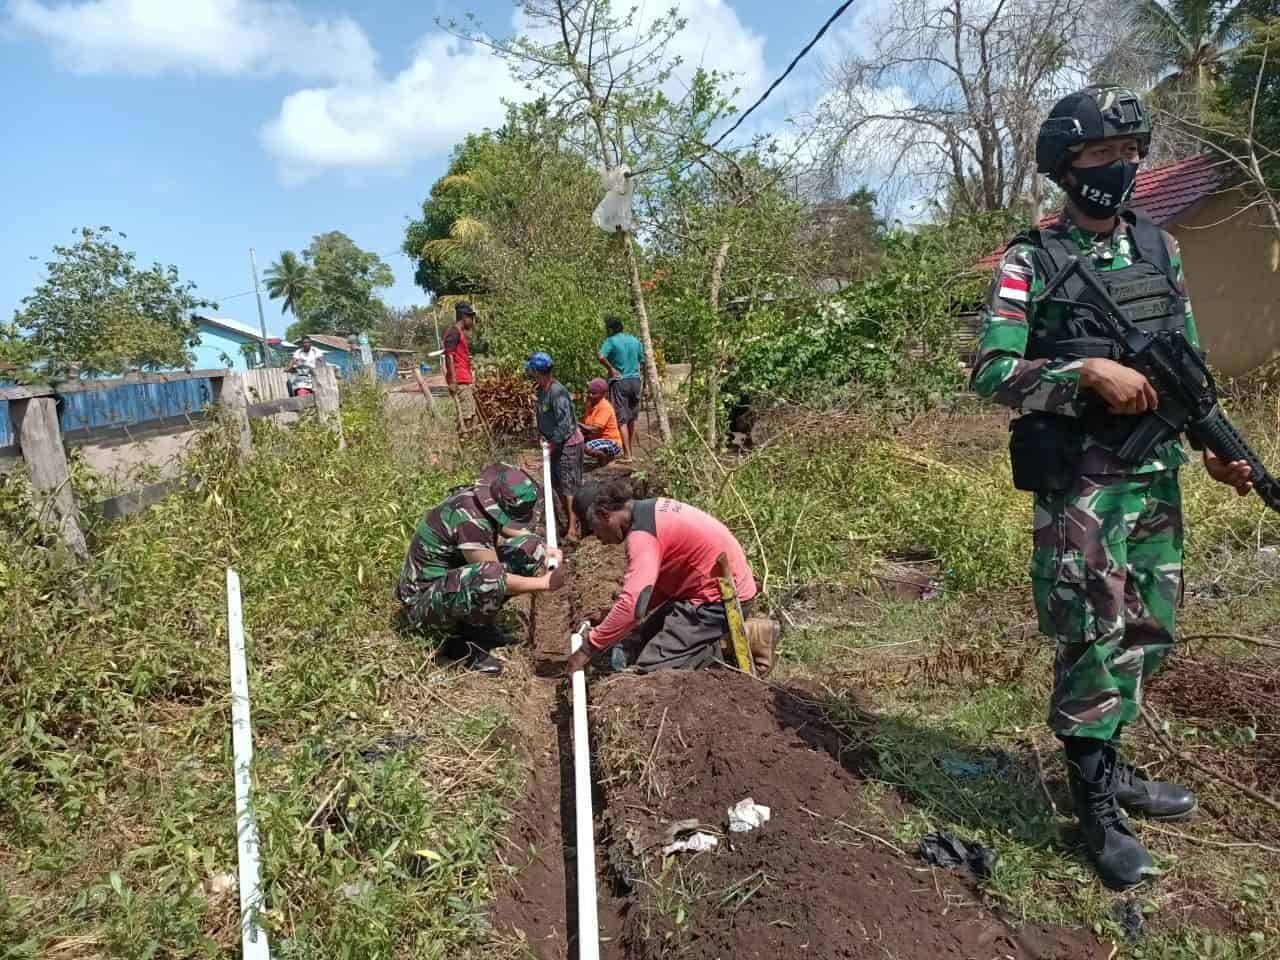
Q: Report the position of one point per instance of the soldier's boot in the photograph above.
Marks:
(1151, 798)
(461, 647)
(490, 636)
(1118, 856)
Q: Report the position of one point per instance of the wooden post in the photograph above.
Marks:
(326, 381)
(35, 424)
(229, 394)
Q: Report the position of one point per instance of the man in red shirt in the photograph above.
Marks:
(457, 366)
(672, 551)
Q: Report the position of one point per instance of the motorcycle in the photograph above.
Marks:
(302, 381)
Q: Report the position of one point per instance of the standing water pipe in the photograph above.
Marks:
(588, 920)
(253, 937)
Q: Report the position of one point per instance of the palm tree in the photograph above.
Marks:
(1180, 46)
(290, 280)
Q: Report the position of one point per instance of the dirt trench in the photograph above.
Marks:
(820, 880)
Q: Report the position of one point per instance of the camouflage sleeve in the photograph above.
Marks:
(1175, 257)
(471, 532)
(1001, 372)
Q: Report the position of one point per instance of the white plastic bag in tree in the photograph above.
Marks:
(614, 212)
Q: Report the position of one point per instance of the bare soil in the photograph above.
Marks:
(817, 881)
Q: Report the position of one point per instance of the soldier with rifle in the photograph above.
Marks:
(1088, 332)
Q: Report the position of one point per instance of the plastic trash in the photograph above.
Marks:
(944, 850)
(746, 815)
(613, 213)
(694, 843)
(1129, 915)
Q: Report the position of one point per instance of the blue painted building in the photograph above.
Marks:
(222, 342)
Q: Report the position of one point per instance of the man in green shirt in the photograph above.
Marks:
(622, 354)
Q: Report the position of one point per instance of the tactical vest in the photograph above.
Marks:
(1146, 292)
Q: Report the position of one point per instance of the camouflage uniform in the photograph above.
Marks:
(437, 585)
(1106, 562)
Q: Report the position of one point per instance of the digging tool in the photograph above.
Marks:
(733, 614)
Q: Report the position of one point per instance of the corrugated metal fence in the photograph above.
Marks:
(121, 406)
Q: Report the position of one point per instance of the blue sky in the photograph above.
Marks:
(201, 128)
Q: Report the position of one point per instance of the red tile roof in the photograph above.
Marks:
(1163, 193)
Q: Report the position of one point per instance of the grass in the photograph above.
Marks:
(382, 782)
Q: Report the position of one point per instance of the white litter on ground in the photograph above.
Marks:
(747, 815)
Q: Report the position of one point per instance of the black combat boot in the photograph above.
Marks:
(1150, 798)
(462, 647)
(1119, 857)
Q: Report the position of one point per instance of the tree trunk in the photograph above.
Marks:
(650, 364)
(713, 370)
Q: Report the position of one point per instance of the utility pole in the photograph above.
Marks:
(262, 323)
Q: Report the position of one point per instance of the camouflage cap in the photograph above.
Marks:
(506, 493)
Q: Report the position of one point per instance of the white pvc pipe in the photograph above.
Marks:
(588, 921)
(253, 937)
(549, 498)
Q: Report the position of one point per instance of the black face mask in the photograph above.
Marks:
(1102, 191)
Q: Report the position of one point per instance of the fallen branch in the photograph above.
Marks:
(1157, 729)
(1239, 637)
(1040, 775)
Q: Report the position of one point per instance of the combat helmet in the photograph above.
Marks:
(506, 493)
(1094, 113)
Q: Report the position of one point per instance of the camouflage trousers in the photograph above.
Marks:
(474, 593)
(1106, 570)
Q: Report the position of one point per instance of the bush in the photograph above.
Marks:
(117, 788)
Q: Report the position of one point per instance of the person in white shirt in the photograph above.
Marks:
(307, 355)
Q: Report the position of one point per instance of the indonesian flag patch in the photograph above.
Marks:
(1015, 283)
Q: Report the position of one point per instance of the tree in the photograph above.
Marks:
(97, 310)
(951, 96)
(289, 279)
(604, 75)
(407, 328)
(509, 198)
(342, 296)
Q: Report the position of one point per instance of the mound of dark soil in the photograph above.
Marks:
(813, 882)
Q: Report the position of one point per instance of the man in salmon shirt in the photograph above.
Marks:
(672, 550)
(600, 425)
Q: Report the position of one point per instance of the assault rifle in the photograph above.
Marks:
(1188, 395)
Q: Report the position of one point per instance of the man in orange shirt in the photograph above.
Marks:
(600, 425)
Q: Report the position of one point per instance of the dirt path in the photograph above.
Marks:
(820, 880)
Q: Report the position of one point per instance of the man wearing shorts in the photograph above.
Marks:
(558, 425)
(622, 354)
(457, 366)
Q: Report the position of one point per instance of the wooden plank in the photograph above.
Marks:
(228, 393)
(327, 398)
(287, 405)
(173, 376)
(25, 393)
(113, 508)
(263, 384)
(92, 386)
(35, 422)
(148, 430)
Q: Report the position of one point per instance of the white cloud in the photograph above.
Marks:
(220, 37)
(716, 39)
(452, 88)
(449, 89)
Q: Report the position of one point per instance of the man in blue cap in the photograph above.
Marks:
(558, 425)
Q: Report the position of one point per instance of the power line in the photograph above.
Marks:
(791, 66)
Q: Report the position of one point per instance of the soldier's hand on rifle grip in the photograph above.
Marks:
(1235, 474)
(1123, 389)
